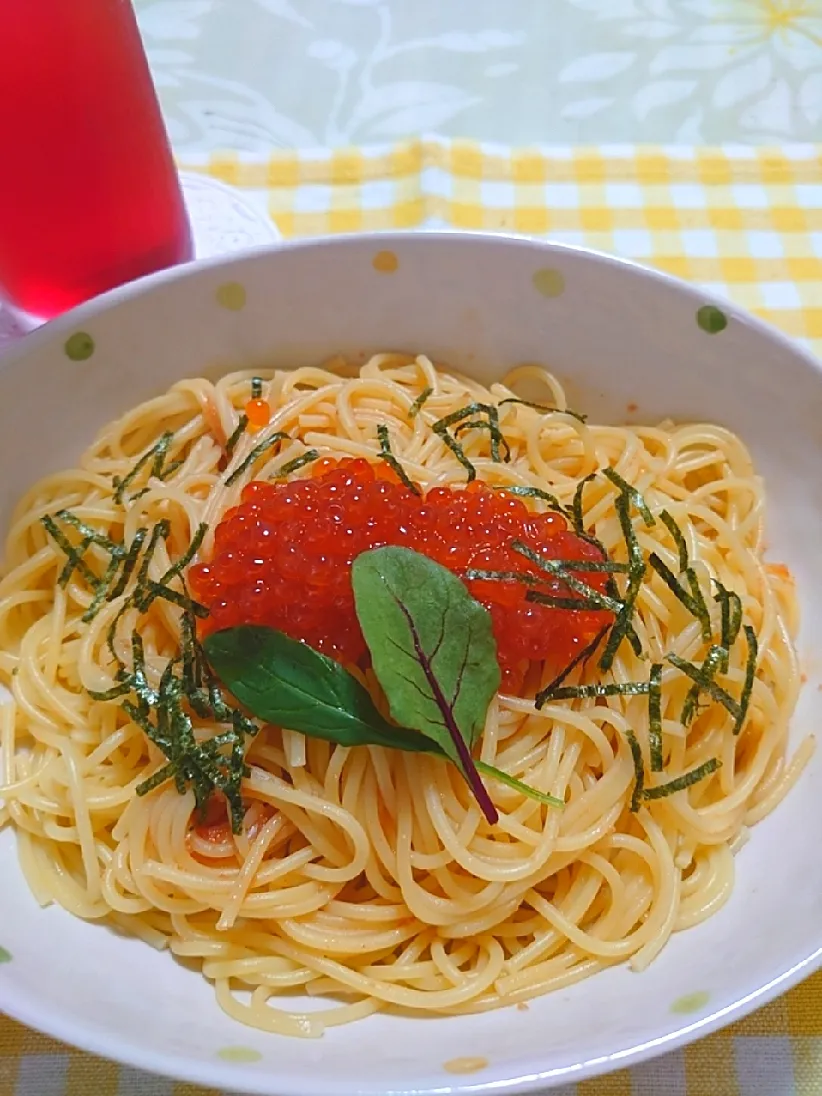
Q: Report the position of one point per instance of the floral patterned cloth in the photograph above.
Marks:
(252, 74)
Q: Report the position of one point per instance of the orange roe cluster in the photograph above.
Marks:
(258, 413)
(283, 556)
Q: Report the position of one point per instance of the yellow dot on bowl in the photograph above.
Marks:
(385, 262)
(5, 956)
(239, 1054)
(465, 1065)
(79, 347)
(232, 295)
(691, 1002)
(549, 282)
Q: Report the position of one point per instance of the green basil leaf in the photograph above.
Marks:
(432, 649)
(287, 683)
(282, 681)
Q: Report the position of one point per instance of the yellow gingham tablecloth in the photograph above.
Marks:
(743, 222)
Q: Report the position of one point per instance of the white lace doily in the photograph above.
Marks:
(222, 220)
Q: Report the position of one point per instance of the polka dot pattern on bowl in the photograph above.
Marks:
(232, 296)
(79, 347)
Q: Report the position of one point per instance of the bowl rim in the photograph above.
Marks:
(125, 1049)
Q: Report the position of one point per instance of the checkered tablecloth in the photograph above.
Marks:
(744, 222)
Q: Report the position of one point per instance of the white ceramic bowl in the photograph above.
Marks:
(618, 335)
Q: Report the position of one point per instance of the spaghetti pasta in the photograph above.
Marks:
(367, 877)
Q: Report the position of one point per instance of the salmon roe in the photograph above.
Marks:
(283, 557)
(258, 413)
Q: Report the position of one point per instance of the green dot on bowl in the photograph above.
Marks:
(711, 319)
(549, 282)
(79, 347)
(232, 295)
(239, 1054)
(5, 956)
(691, 1002)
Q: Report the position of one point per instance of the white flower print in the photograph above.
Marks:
(757, 62)
(372, 72)
(171, 21)
(256, 74)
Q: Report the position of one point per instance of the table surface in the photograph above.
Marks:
(252, 74)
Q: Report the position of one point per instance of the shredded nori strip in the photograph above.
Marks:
(111, 694)
(730, 607)
(556, 601)
(636, 498)
(534, 493)
(460, 414)
(545, 694)
(679, 539)
(187, 556)
(102, 588)
(386, 455)
(238, 432)
(595, 691)
(76, 562)
(497, 438)
(160, 532)
(702, 613)
(258, 450)
(706, 684)
(420, 402)
(201, 766)
(256, 388)
(111, 632)
(679, 783)
(623, 626)
(154, 590)
(169, 469)
(157, 454)
(612, 590)
(655, 717)
(192, 660)
(564, 566)
(576, 511)
(129, 563)
(716, 659)
(474, 574)
(750, 675)
(498, 442)
(556, 568)
(694, 601)
(140, 684)
(639, 770)
(670, 580)
(458, 452)
(92, 535)
(74, 555)
(216, 765)
(298, 462)
(544, 408)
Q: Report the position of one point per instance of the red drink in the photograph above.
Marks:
(89, 195)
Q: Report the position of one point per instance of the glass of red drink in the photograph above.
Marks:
(89, 194)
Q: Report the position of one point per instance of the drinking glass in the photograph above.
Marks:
(89, 194)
